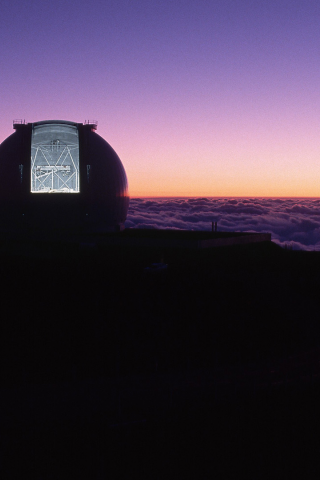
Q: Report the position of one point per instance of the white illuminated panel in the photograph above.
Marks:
(55, 158)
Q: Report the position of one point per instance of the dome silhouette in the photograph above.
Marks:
(57, 174)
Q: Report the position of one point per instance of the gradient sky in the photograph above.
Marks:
(198, 98)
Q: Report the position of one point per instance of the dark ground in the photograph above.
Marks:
(207, 369)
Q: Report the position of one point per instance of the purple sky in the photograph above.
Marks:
(198, 98)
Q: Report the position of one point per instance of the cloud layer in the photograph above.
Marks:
(291, 221)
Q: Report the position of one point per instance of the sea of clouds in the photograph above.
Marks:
(294, 222)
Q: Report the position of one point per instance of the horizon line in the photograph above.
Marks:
(220, 196)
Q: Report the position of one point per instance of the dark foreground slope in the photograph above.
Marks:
(208, 367)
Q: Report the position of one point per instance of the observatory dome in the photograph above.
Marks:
(57, 174)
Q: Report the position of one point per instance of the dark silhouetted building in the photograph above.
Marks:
(58, 174)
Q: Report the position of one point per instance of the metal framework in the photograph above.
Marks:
(54, 163)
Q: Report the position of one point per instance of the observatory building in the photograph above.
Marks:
(61, 175)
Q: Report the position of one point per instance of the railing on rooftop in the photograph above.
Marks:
(92, 123)
(18, 121)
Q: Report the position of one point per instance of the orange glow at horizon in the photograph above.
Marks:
(223, 179)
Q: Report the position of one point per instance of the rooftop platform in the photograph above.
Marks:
(43, 243)
(185, 238)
